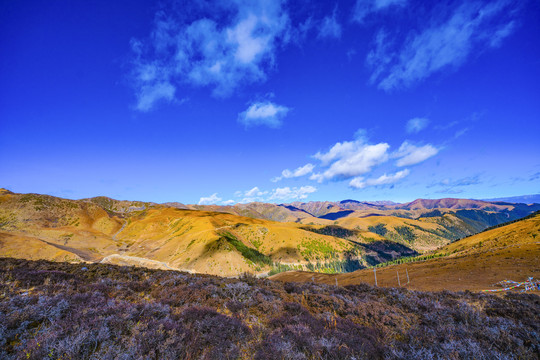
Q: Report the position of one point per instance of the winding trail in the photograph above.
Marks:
(132, 260)
(119, 231)
(141, 260)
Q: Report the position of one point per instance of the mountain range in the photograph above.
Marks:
(259, 238)
(477, 262)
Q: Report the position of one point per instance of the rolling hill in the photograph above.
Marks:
(230, 240)
(509, 252)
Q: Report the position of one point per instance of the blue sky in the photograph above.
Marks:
(237, 101)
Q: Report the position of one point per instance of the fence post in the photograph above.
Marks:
(399, 283)
(407, 276)
(336, 282)
(375, 274)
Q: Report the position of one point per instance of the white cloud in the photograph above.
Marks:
(286, 193)
(229, 202)
(360, 183)
(280, 194)
(263, 113)
(298, 172)
(338, 150)
(363, 8)
(472, 27)
(350, 158)
(410, 154)
(223, 47)
(149, 95)
(330, 27)
(210, 200)
(254, 192)
(416, 124)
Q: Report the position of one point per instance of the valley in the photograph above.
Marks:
(476, 263)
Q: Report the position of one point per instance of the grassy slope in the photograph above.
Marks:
(130, 232)
(40, 226)
(475, 263)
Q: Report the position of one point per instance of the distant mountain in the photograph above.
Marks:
(447, 203)
(525, 199)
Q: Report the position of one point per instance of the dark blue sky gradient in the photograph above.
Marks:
(69, 123)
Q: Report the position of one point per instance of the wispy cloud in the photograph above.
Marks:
(363, 8)
(445, 43)
(452, 183)
(231, 44)
(277, 194)
(263, 113)
(298, 172)
(150, 94)
(535, 176)
(330, 27)
(410, 154)
(360, 183)
(254, 194)
(450, 191)
(416, 124)
(295, 193)
(209, 200)
(451, 186)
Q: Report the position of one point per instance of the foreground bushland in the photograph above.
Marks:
(93, 311)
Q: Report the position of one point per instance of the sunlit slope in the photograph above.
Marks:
(474, 263)
(40, 226)
(32, 248)
(422, 234)
(220, 243)
(175, 236)
(82, 228)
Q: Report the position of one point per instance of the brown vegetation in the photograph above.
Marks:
(97, 311)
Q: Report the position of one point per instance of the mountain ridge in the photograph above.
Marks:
(228, 240)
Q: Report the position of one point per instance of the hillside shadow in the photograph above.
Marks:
(336, 215)
(295, 209)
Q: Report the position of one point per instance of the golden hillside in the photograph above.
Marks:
(104, 230)
(199, 239)
(475, 263)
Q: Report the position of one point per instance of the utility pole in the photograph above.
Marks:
(399, 283)
(375, 274)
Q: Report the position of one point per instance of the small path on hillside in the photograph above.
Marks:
(83, 254)
(119, 231)
(138, 260)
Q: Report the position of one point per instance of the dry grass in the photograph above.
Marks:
(474, 263)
